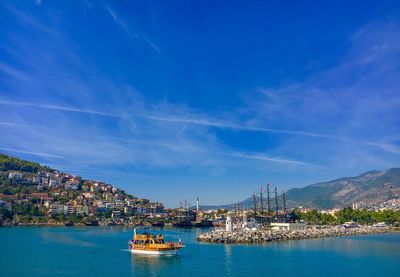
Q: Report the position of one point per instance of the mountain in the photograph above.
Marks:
(368, 190)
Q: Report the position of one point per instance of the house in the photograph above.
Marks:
(5, 205)
(45, 181)
(83, 210)
(56, 209)
(110, 205)
(17, 176)
(116, 214)
(69, 209)
(54, 183)
(72, 185)
(40, 195)
(36, 179)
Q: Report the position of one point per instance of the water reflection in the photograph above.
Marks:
(153, 265)
(371, 245)
(228, 259)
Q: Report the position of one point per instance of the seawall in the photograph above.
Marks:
(261, 236)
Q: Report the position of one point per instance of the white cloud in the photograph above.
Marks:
(31, 153)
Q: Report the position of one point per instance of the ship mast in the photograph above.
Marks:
(268, 203)
(254, 203)
(276, 200)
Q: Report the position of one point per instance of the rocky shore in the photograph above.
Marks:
(261, 236)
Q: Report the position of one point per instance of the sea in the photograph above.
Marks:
(102, 251)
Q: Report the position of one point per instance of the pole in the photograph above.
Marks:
(235, 207)
(254, 203)
(276, 200)
(268, 203)
(284, 202)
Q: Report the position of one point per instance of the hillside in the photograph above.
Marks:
(32, 193)
(368, 189)
(11, 163)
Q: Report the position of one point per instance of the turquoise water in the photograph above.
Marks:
(97, 251)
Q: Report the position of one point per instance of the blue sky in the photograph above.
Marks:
(171, 100)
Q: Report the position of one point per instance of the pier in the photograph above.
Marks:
(262, 236)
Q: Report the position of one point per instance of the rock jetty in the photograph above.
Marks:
(261, 236)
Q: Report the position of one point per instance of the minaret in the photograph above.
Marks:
(197, 204)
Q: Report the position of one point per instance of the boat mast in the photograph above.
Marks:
(284, 202)
(268, 203)
(254, 203)
(276, 200)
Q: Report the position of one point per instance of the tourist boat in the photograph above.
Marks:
(150, 244)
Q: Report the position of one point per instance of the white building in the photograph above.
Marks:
(228, 224)
(16, 176)
(36, 179)
(278, 226)
(53, 182)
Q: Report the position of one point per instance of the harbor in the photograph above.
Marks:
(101, 251)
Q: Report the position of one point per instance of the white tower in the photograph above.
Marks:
(197, 204)
(228, 224)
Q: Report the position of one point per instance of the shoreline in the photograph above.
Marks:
(99, 225)
(264, 236)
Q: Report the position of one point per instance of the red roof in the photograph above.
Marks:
(5, 196)
(40, 195)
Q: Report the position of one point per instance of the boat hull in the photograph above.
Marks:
(172, 252)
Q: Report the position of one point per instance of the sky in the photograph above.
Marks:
(170, 100)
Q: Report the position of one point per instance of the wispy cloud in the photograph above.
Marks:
(56, 107)
(31, 22)
(125, 27)
(31, 153)
(386, 147)
(265, 158)
(194, 119)
(120, 22)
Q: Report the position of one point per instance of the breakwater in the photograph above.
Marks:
(260, 236)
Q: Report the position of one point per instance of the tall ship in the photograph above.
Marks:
(153, 244)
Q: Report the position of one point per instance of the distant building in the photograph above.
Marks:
(36, 179)
(116, 214)
(56, 209)
(277, 226)
(16, 176)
